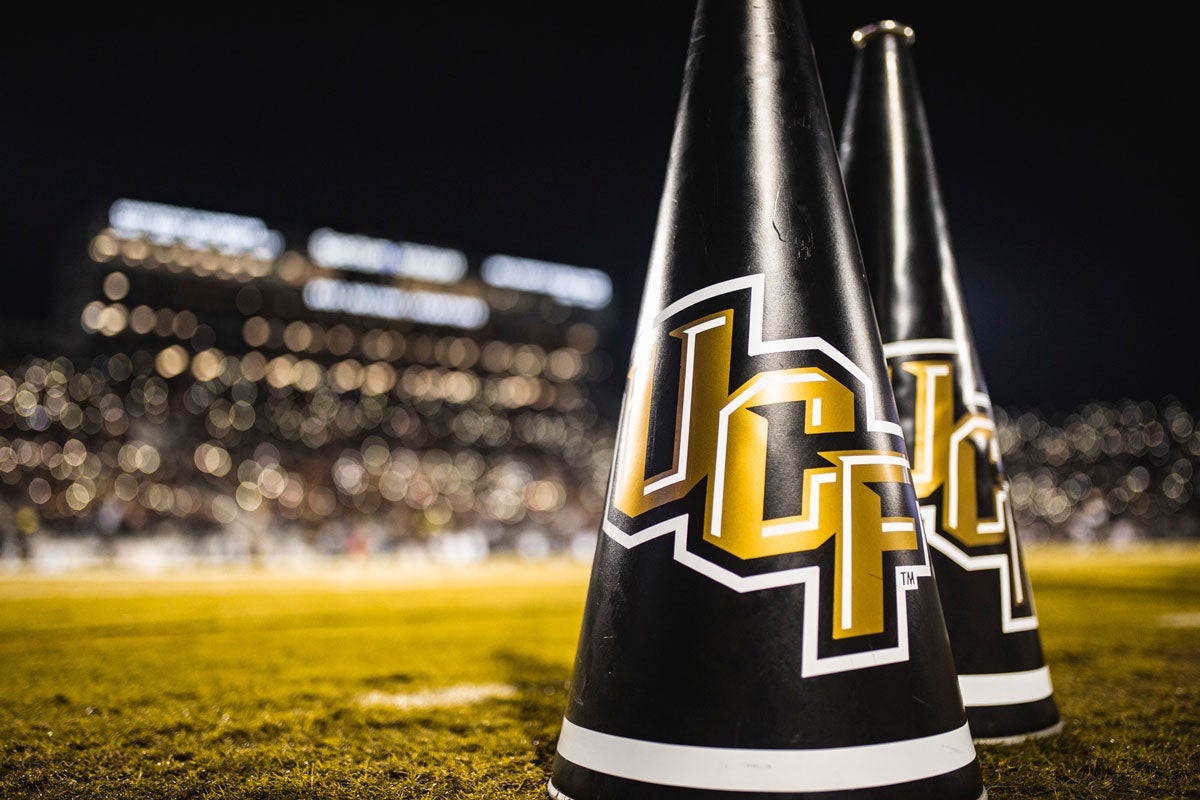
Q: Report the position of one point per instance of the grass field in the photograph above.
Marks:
(342, 685)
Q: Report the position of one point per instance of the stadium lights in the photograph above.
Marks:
(164, 224)
(382, 257)
(389, 302)
(572, 286)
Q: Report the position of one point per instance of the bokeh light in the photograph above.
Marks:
(209, 399)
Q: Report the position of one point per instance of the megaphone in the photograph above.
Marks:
(762, 621)
(887, 160)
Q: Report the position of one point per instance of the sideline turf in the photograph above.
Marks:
(249, 685)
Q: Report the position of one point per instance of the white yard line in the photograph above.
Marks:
(465, 694)
(1184, 619)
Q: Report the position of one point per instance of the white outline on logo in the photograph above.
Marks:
(756, 346)
(811, 662)
(685, 424)
(1003, 563)
(925, 473)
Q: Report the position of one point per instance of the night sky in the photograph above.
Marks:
(543, 130)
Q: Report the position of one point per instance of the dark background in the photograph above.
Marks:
(543, 130)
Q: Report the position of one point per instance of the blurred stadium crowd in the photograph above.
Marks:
(1115, 472)
(248, 458)
(226, 400)
(219, 409)
(130, 459)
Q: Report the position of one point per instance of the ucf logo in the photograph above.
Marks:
(944, 456)
(970, 521)
(721, 437)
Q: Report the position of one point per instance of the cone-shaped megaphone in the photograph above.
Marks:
(943, 403)
(761, 621)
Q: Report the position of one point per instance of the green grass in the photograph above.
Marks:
(249, 686)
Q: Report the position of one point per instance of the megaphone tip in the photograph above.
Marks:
(888, 26)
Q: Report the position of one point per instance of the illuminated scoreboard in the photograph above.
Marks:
(184, 282)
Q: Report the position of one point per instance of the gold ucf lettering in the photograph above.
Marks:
(944, 455)
(718, 436)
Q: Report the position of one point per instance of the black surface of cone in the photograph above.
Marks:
(887, 160)
(685, 642)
